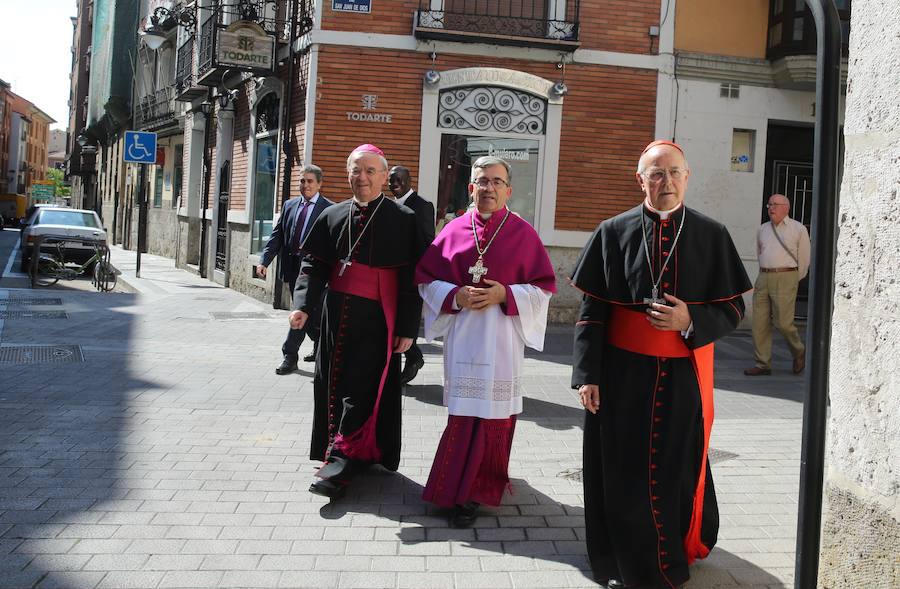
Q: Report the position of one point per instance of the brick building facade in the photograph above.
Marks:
(568, 91)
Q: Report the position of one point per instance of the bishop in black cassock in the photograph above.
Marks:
(364, 250)
(660, 283)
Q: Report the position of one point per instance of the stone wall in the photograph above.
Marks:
(862, 498)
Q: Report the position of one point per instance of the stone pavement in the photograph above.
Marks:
(161, 450)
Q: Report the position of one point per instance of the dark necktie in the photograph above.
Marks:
(298, 226)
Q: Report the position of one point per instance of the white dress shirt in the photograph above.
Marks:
(795, 237)
(402, 199)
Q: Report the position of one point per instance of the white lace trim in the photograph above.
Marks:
(488, 389)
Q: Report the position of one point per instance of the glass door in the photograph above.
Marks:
(458, 152)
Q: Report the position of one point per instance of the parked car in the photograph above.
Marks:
(76, 223)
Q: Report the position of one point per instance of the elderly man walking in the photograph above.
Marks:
(661, 283)
(782, 246)
(364, 250)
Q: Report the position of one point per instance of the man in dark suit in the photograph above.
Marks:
(297, 218)
(399, 183)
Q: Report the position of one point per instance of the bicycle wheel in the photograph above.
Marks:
(105, 276)
(47, 273)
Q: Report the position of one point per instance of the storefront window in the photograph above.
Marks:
(458, 152)
(265, 168)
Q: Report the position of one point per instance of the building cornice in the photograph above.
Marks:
(410, 43)
(793, 72)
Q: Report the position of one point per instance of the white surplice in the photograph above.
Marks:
(484, 349)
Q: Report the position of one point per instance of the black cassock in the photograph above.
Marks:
(352, 352)
(644, 448)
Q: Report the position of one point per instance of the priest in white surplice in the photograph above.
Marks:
(486, 282)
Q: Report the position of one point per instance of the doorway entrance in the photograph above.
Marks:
(789, 171)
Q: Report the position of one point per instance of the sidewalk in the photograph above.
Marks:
(169, 454)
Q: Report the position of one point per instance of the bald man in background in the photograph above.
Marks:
(782, 246)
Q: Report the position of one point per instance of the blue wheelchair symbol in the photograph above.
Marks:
(140, 147)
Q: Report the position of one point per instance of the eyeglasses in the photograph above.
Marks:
(498, 183)
(658, 174)
(304, 181)
(776, 204)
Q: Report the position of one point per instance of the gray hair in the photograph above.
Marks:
(358, 154)
(487, 161)
(314, 170)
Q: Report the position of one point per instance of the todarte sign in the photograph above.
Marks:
(245, 45)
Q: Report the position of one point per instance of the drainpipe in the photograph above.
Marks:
(824, 237)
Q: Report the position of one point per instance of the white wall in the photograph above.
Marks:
(862, 493)
(704, 128)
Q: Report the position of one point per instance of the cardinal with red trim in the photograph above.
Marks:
(660, 282)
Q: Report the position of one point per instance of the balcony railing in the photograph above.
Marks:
(552, 23)
(275, 19)
(156, 110)
(186, 87)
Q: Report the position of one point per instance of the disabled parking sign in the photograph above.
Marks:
(140, 147)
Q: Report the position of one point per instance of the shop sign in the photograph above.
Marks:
(364, 6)
(245, 45)
(509, 154)
(369, 103)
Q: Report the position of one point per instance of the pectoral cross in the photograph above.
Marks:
(477, 271)
(654, 298)
(344, 263)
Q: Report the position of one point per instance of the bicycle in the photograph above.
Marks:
(49, 268)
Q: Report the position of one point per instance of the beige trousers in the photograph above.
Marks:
(773, 304)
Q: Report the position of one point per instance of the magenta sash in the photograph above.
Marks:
(377, 284)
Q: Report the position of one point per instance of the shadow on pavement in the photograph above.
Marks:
(543, 413)
(62, 435)
(724, 569)
(528, 524)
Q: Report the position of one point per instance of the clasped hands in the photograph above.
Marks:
(298, 319)
(472, 297)
(672, 317)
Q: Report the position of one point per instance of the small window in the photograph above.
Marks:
(743, 142)
(158, 187)
(729, 90)
(798, 29)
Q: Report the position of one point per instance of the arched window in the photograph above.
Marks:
(266, 162)
(475, 121)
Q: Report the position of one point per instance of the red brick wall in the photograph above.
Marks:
(620, 25)
(608, 117)
(241, 149)
(610, 25)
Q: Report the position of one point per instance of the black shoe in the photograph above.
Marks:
(327, 488)
(287, 366)
(615, 584)
(411, 370)
(464, 515)
(311, 357)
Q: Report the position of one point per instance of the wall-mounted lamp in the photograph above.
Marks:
(161, 22)
(205, 108)
(226, 96)
(559, 89)
(432, 76)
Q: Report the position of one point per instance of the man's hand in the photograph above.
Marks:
(672, 317)
(590, 397)
(297, 319)
(401, 344)
(481, 298)
(261, 270)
